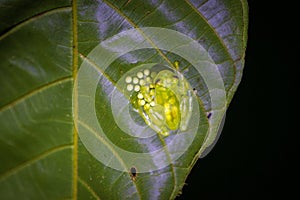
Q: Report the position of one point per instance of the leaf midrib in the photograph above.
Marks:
(74, 99)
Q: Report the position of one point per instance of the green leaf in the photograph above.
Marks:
(44, 48)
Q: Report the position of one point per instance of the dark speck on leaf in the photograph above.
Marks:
(133, 173)
(209, 115)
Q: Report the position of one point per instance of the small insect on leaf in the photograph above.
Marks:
(133, 173)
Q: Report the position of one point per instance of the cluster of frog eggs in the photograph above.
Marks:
(142, 83)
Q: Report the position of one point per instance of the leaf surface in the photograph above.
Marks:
(42, 46)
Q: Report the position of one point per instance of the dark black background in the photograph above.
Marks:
(253, 158)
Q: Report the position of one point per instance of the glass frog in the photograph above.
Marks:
(163, 99)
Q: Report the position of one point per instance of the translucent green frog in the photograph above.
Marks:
(163, 99)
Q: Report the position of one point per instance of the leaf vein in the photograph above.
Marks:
(116, 155)
(27, 163)
(219, 38)
(167, 60)
(32, 18)
(86, 185)
(33, 92)
(138, 29)
(211, 27)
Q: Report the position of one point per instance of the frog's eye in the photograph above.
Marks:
(162, 98)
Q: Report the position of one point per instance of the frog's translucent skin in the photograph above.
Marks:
(164, 100)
